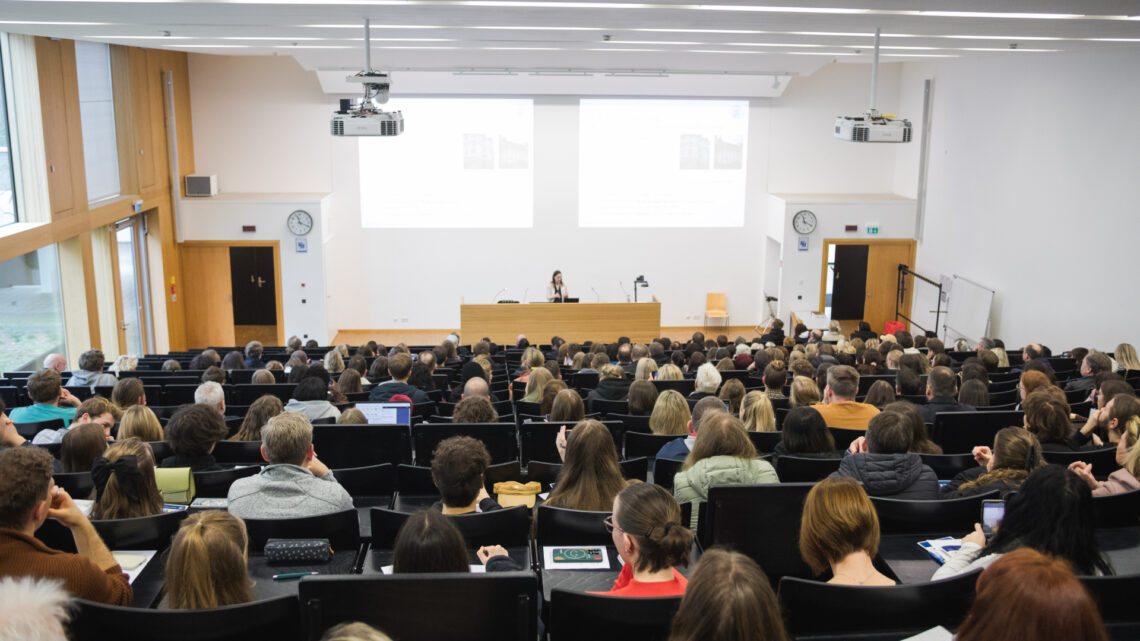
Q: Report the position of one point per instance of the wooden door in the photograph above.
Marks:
(254, 287)
(883, 260)
(207, 296)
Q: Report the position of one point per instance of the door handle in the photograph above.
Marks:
(260, 281)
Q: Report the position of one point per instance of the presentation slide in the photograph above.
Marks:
(662, 163)
(460, 163)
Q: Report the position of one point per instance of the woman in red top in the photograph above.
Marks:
(648, 534)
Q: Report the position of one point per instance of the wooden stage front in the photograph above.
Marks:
(502, 323)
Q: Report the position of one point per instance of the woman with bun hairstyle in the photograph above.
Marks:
(648, 534)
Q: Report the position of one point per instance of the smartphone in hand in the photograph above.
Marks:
(992, 513)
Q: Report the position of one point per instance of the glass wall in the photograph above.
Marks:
(97, 118)
(31, 310)
(7, 182)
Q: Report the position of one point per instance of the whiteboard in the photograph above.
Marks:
(968, 315)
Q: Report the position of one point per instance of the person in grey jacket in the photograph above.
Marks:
(90, 372)
(882, 463)
(295, 484)
(311, 398)
(723, 455)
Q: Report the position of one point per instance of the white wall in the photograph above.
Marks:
(800, 272)
(303, 288)
(261, 123)
(1033, 191)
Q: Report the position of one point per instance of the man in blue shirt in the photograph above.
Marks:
(51, 400)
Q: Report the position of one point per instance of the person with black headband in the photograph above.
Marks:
(648, 534)
(124, 482)
(556, 290)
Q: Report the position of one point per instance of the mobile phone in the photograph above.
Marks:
(992, 513)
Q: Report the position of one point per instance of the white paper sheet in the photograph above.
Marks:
(133, 562)
(475, 569)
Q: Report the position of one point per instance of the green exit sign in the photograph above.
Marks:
(872, 230)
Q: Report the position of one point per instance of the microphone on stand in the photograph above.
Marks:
(596, 295)
(496, 296)
(623, 291)
(524, 294)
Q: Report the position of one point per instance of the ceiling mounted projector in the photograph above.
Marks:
(872, 126)
(365, 117)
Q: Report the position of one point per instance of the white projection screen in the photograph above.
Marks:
(460, 163)
(662, 163)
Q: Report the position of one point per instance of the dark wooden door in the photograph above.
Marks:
(849, 282)
(254, 286)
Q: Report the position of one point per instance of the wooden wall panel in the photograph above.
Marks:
(53, 101)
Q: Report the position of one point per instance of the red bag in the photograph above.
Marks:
(893, 326)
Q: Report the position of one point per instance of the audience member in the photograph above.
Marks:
(349, 382)
(590, 477)
(258, 414)
(678, 449)
(400, 367)
(612, 385)
(429, 542)
(839, 408)
(728, 598)
(81, 445)
(352, 416)
(295, 484)
(671, 414)
(140, 422)
(94, 410)
(670, 372)
(648, 534)
(263, 377)
(233, 361)
(805, 434)
(210, 394)
(128, 392)
(732, 393)
(921, 443)
(883, 463)
(642, 398)
(125, 486)
(1047, 417)
(50, 400)
(707, 382)
(1125, 356)
(253, 351)
(90, 372)
(941, 393)
(908, 382)
(28, 497)
(1015, 455)
(645, 370)
(723, 455)
(775, 333)
(192, 433)
(474, 409)
(973, 393)
(839, 531)
(206, 565)
(171, 365)
(1028, 595)
(1053, 514)
(457, 468)
(354, 631)
(311, 398)
(124, 363)
(214, 374)
(1093, 364)
(1123, 416)
(804, 392)
(58, 362)
(567, 407)
(880, 395)
(204, 360)
(756, 412)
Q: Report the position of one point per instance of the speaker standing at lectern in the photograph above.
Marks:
(556, 289)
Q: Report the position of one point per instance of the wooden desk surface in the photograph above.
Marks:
(576, 322)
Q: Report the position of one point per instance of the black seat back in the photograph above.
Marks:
(1103, 459)
(947, 466)
(457, 607)
(30, 429)
(276, 618)
(243, 452)
(217, 484)
(78, 484)
(580, 616)
(817, 608)
(501, 439)
(664, 470)
(141, 533)
(1117, 510)
(959, 432)
(342, 529)
(507, 527)
(765, 442)
(761, 521)
(562, 526)
(935, 518)
(804, 469)
(341, 446)
(371, 485)
(843, 436)
(645, 444)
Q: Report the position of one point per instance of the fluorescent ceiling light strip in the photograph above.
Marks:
(651, 42)
(998, 14)
(722, 51)
(524, 49)
(312, 47)
(412, 47)
(919, 55)
(182, 46)
(57, 23)
(521, 28)
(1008, 49)
(555, 5)
(763, 9)
(375, 26)
(99, 37)
(624, 50)
(772, 44)
(817, 53)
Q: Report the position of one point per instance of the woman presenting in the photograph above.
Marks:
(556, 290)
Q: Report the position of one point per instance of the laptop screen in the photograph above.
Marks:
(386, 413)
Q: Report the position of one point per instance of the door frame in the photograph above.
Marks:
(137, 223)
(911, 243)
(278, 285)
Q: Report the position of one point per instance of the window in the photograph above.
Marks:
(31, 310)
(460, 163)
(7, 176)
(97, 118)
(662, 163)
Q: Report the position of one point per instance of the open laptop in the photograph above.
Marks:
(386, 413)
(565, 300)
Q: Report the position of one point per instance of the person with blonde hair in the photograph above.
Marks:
(125, 486)
(839, 530)
(671, 414)
(264, 376)
(352, 416)
(140, 422)
(533, 359)
(646, 369)
(349, 382)
(722, 455)
(536, 384)
(756, 412)
(354, 631)
(206, 566)
(612, 385)
(334, 362)
(258, 414)
(804, 392)
(670, 372)
(1125, 356)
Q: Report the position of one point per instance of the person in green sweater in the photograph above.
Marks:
(722, 455)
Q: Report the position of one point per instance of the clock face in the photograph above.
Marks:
(300, 222)
(804, 222)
